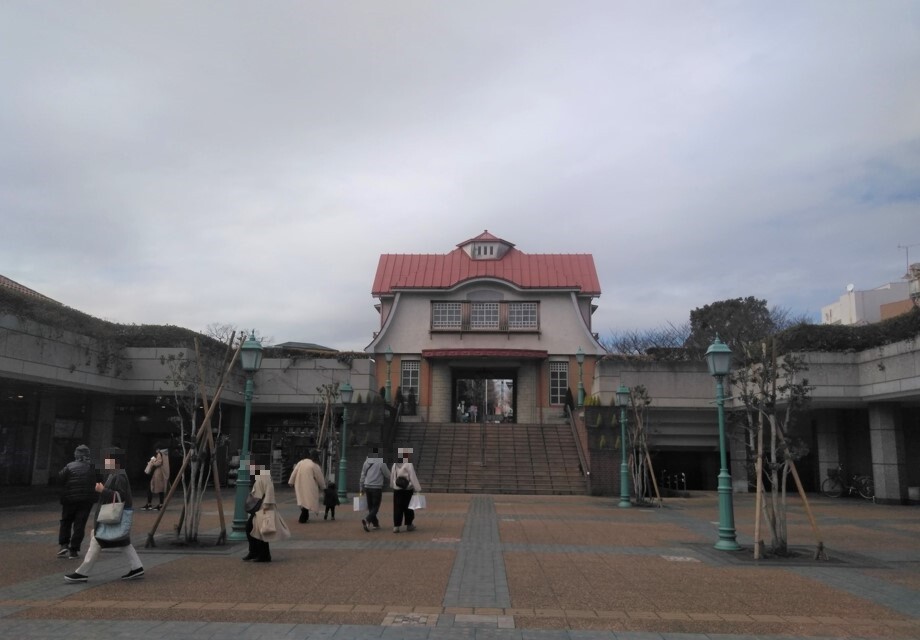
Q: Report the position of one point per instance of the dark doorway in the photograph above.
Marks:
(486, 396)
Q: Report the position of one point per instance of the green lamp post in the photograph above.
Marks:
(623, 403)
(719, 360)
(346, 392)
(580, 359)
(388, 356)
(250, 360)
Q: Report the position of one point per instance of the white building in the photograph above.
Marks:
(863, 307)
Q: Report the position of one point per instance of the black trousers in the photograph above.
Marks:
(401, 498)
(258, 549)
(73, 524)
(374, 499)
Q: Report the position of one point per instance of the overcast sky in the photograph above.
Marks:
(246, 163)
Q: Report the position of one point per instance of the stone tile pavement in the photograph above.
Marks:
(478, 566)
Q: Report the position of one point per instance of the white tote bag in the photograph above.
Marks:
(417, 502)
(360, 503)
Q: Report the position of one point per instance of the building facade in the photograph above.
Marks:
(486, 332)
(862, 307)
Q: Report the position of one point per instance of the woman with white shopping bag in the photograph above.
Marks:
(405, 483)
(265, 524)
(111, 531)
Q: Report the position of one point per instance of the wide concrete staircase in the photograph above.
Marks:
(494, 458)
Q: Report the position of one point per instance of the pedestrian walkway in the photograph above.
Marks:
(480, 566)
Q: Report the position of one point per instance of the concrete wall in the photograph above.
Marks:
(891, 372)
(36, 353)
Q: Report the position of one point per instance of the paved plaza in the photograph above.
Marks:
(478, 566)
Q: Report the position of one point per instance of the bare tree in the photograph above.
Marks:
(663, 341)
(186, 375)
(638, 445)
(773, 392)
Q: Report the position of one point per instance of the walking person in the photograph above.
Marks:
(115, 483)
(330, 500)
(307, 480)
(78, 494)
(158, 469)
(404, 483)
(257, 532)
(374, 474)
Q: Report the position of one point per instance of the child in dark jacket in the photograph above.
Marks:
(330, 499)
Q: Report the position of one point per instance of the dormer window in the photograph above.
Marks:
(485, 251)
(485, 247)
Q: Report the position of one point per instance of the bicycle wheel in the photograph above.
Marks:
(832, 488)
(865, 487)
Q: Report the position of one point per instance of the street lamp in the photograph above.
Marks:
(346, 392)
(719, 360)
(580, 359)
(623, 403)
(389, 358)
(250, 360)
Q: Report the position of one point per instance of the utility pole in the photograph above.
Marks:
(907, 248)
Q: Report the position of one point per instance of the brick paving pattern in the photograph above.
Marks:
(479, 566)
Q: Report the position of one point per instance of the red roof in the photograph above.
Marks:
(528, 271)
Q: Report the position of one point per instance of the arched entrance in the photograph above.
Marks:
(483, 395)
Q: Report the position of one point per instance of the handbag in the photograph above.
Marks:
(417, 502)
(253, 503)
(402, 481)
(360, 503)
(114, 532)
(111, 512)
(267, 523)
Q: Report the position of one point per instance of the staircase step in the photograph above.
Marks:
(518, 458)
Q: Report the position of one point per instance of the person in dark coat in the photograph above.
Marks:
(330, 500)
(78, 494)
(116, 481)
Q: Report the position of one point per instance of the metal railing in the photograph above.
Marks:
(582, 457)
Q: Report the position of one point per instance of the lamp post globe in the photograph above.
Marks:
(719, 361)
(250, 361)
(345, 391)
(623, 403)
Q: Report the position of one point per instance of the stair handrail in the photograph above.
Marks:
(393, 418)
(574, 423)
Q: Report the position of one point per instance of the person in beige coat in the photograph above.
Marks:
(405, 483)
(309, 483)
(158, 468)
(256, 532)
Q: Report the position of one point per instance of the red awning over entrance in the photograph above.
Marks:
(532, 354)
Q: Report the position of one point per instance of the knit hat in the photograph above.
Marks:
(81, 452)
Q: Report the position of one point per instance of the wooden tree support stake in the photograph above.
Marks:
(205, 428)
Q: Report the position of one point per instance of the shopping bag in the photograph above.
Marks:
(111, 512)
(267, 526)
(417, 502)
(121, 530)
(149, 468)
(360, 503)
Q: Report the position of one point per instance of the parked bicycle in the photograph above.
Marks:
(836, 484)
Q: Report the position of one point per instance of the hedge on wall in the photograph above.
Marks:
(54, 314)
(845, 338)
